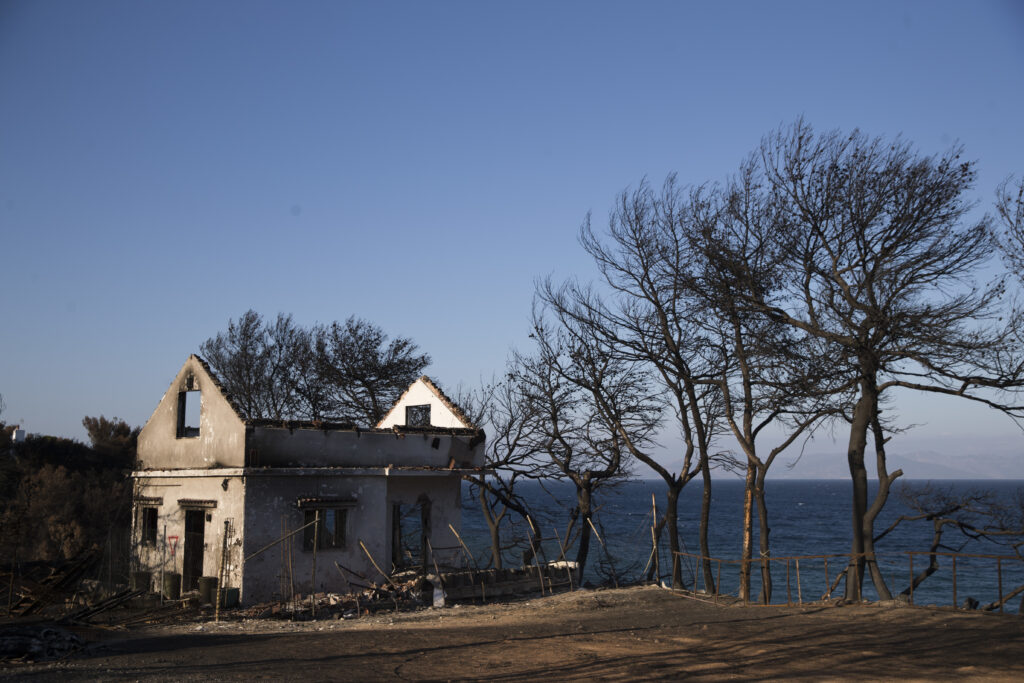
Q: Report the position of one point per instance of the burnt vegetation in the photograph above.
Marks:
(60, 498)
(833, 274)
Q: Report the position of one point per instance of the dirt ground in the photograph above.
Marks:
(627, 634)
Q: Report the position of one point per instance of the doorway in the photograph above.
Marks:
(410, 529)
(192, 559)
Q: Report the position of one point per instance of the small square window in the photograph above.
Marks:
(417, 416)
(149, 522)
(331, 531)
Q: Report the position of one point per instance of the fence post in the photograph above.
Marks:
(911, 555)
(799, 593)
(999, 573)
(828, 586)
(954, 581)
(789, 594)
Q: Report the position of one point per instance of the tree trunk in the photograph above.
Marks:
(672, 523)
(492, 528)
(705, 518)
(764, 531)
(748, 533)
(583, 495)
(859, 477)
(885, 481)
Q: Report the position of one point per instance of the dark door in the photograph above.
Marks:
(192, 560)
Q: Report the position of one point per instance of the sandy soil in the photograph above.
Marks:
(635, 633)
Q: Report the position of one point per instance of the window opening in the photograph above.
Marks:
(417, 416)
(188, 413)
(332, 528)
(409, 532)
(149, 523)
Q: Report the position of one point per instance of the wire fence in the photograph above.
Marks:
(911, 576)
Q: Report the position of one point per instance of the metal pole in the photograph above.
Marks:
(789, 594)
(799, 593)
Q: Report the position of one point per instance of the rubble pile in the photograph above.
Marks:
(403, 592)
(37, 643)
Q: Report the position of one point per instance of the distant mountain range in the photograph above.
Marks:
(923, 464)
(918, 464)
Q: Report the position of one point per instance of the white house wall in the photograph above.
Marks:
(221, 440)
(228, 491)
(417, 395)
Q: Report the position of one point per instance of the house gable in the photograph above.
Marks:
(424, 404)
(195, 425)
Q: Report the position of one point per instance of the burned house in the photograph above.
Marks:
(214, 492)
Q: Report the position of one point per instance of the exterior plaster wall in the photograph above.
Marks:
(417, 395)
(272, 502)
(283, 447)
(221, 440)
(171, 523)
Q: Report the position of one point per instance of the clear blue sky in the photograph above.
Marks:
(165, 166)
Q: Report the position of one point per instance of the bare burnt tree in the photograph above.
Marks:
(977, 515)
(771, 376)
(278, 370)
(509, 452)
(645, 314)
(573, 433)
(882, 266)
(367, 372)
(1010, 210)
(239, 358)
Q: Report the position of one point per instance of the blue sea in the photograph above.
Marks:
(806, 517)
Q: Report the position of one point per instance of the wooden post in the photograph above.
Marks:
(789, 593)
(999, 572)
(536, 560)
(954, 581)
(654, 539)
(911, 578)
(828, 586)
(799, 593)
(375, 565)
(566, 559)
(163, 562)
(611, 565)
(316, 542)
(220, 572)
(291, 574)
(464, 548)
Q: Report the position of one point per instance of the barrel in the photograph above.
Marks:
(172, 585)
(207, 586)
(142, 581)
